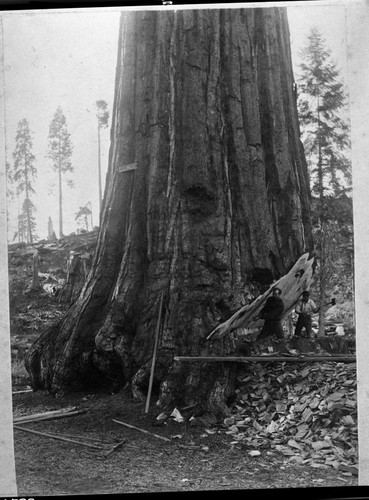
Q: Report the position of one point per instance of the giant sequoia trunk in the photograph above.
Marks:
(204, 105)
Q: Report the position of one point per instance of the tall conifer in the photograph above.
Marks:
(322, 105)
(24, 172)
(60, 151)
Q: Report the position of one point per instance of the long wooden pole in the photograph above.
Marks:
(61, 411)
(141, 430)
(257, 359)
(59, 438)
(88, 438)
(38, 418)
(154, 354)
(22, 392)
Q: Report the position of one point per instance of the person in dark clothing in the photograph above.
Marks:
(272, 314)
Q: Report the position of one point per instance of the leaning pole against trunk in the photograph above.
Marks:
(206, 196)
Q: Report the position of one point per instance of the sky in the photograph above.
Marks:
(68, 59)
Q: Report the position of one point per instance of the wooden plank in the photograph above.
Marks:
(46, 414)
(256, 359)
(127, 168)
(22, 392)
(30, 418)
(298, 279)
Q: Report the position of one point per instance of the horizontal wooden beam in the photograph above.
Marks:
(343, 358)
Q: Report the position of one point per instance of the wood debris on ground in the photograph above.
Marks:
(307, 413)
(59, 437)
(101, 450)
(49, 415)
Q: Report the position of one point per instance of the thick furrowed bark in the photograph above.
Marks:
(204, 105)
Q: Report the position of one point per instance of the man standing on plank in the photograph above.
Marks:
(305, 308)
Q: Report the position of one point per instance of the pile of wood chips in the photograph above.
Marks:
(307, 412)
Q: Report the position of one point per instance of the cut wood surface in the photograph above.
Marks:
(55, 436)
(141, 430)
(298, 279)
(257, 359)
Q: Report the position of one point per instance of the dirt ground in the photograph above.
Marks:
(143, 463)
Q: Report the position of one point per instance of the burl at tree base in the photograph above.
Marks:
(205, 106)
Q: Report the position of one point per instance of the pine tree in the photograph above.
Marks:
(102, 122)
(24, 172)
(322, 105)
(60, 151)
(21, 233)
(28, 211)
